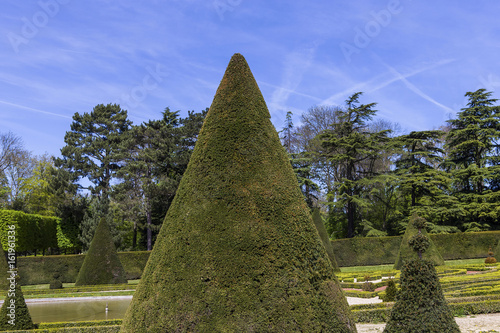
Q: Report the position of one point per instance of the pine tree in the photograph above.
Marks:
(473, 143)
(417, 164)
(93, 146)
(238, 251)
(353, 148)
(101, 264)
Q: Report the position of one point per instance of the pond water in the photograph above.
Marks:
(78, 309)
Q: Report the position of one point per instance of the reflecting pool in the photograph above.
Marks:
(78, 308)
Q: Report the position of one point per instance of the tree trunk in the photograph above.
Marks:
(134, 236)
(148, 231)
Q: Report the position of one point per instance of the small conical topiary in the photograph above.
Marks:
(238, 250)
(420, 305)
(14, 314)
(323, 234)
(4, 268)
(490, 259)
(497, 248)
(406, 252)
(391, 291)
(101, 264)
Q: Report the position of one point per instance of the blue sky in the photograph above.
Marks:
(415, 59)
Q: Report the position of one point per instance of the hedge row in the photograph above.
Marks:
(32, 232)
(40, 269)
(36, 232)
(82, 289)
(364, 251)
(93, 323)
(98, 326)
(381, 314)
(97, 329)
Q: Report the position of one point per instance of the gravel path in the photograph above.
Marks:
(468, 324)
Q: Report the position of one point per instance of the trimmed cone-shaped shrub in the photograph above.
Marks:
(497, 249)
(490, 259)
(101, 264)
(406, 252)
(323, 234)
(420, 304)
(4, 268)
(14, 314)
(238, 251)
(391, 291)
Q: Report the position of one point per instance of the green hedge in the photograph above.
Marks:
(40, 269)
(364, 251)
(93, 323)
(37, 233)
(380, 312)
(86, 289)
(33, 232)
(98, 329)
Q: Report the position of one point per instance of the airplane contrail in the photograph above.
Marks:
(35, 110)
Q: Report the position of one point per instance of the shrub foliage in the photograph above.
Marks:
(238, 250)
(420, 305)
(101, 264)
(323, 234)
(430, 252)
(14, 314)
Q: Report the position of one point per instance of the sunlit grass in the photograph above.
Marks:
(464, 262)
(378, 268)
(389, 267)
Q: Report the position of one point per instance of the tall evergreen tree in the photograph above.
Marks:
(156, 155)
(93, 146)
(418, 161)
(301, 162)
(473, 143)
(238, 251)
(98, 208)
(355, 150)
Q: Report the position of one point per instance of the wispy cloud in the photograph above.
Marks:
(383, 80)
(295, 66)
(404, 78)
(35, 110)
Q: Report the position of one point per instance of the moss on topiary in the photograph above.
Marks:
(323, 234)
(238, 251)
(14, 314)
(101, 264)
(405, 252)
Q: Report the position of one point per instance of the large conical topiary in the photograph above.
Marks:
(14, 314)
(101, 264)
(323, 234)
(238, 251)
(420, 305)
(405, 251)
